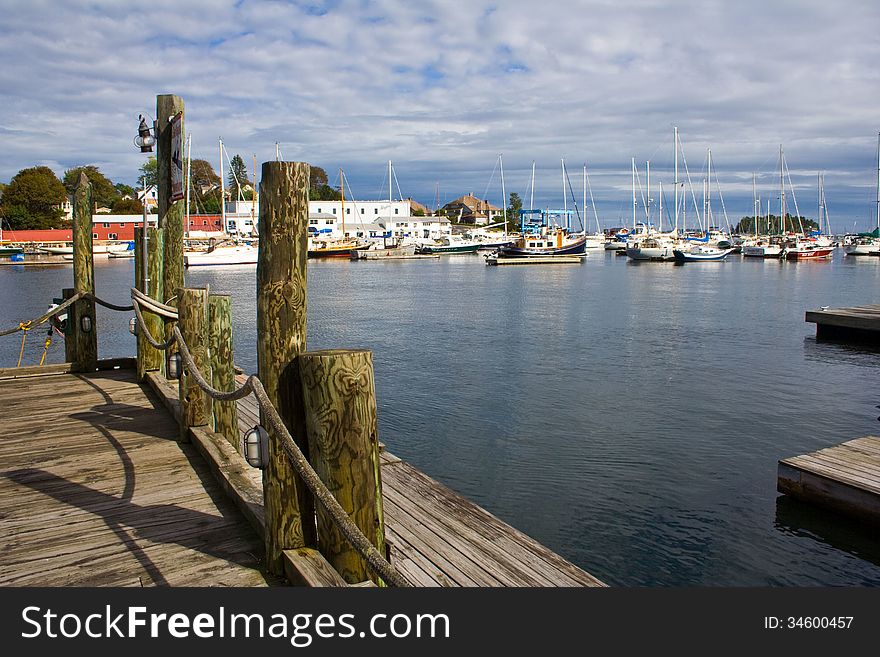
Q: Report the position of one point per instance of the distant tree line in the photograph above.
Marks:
(773, 226)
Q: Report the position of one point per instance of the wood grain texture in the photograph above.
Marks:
(171, 215)
(339, 398)
(222, 359)
(192, 309)
(150, 359)
(86, 342)
(281, 336)
(102, 494)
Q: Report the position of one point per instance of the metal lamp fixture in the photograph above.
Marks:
(133, 326)
(145, 139)
(86, 324)
(174, 366)
(256, 447)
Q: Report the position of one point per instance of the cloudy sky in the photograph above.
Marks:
(444, 87)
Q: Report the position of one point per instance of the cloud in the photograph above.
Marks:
(443, 87)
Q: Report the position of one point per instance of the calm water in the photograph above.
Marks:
(629, 416)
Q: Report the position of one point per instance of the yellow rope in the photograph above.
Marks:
(46, 347)
(25, 327)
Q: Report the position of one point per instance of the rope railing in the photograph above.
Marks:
(373, 558)
(42, 319)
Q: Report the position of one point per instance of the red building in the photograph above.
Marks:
(109, 227)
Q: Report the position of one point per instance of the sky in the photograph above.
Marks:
(450, 89)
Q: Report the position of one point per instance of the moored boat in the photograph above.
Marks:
(702, 254)
(451, 244)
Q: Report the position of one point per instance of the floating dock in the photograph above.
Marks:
(96, 490)
(845, 478)
(854, 324)
(537, 260)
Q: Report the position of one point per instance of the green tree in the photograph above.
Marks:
(103, 191)
(205, 187)
(127, 206)
(319, 188)
(238, 175)
(513, 209)
(33, 200)
(125, 190)
(149, 173)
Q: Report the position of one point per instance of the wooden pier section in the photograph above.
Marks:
(96, 490)
(845, 478)
(854, 324)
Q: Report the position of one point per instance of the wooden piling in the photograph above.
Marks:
(225, 415)
(171, 215)
(339, 398)
(192, 308)
(84, 328)
(148, 358)
(281, 336)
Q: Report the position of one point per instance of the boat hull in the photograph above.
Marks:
(683, 256)
(809, 254)
(577, 247)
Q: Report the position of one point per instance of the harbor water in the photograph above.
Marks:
(629, 416)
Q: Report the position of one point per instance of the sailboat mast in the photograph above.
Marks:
(254, 195)
(878, 180)
(634, 192)
(564, 196)
(531, 200)
(585, 198)
(188, 185)
(755, 207)
(708, 190)
(223, 190)
(660, 209)
(342, 190)
(503, 195)
(675, 176)
(782, 189)
(648, 193)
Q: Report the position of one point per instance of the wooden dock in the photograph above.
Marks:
(854, 324)
(537, 260)
(97, 491)
(845, 478)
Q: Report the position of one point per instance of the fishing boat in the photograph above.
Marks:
(702, 254)
(6, 251)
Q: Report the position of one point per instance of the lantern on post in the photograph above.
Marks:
(145, 139)
(256, 447)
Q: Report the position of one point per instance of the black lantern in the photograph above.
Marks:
(145, 139)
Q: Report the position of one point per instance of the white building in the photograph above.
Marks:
(376, 221)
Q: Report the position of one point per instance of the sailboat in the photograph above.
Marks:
(339, 247)
(868, 243)
(222, 251)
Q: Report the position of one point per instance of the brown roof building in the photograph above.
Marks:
(471, 210)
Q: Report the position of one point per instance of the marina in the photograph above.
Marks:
(591, 480)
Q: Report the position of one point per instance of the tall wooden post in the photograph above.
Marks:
(339, 397)
(171, 215)
(148, 358)
(281, 336)
(222, 365)
(85, 327)
(192, 309)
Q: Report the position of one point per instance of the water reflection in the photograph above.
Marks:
(795, 518)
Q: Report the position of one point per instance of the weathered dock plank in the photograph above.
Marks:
(439, 538)
(844, 477)
(851, 324)
(95, 490)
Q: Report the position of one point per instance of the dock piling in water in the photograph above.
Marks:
(83, 328)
